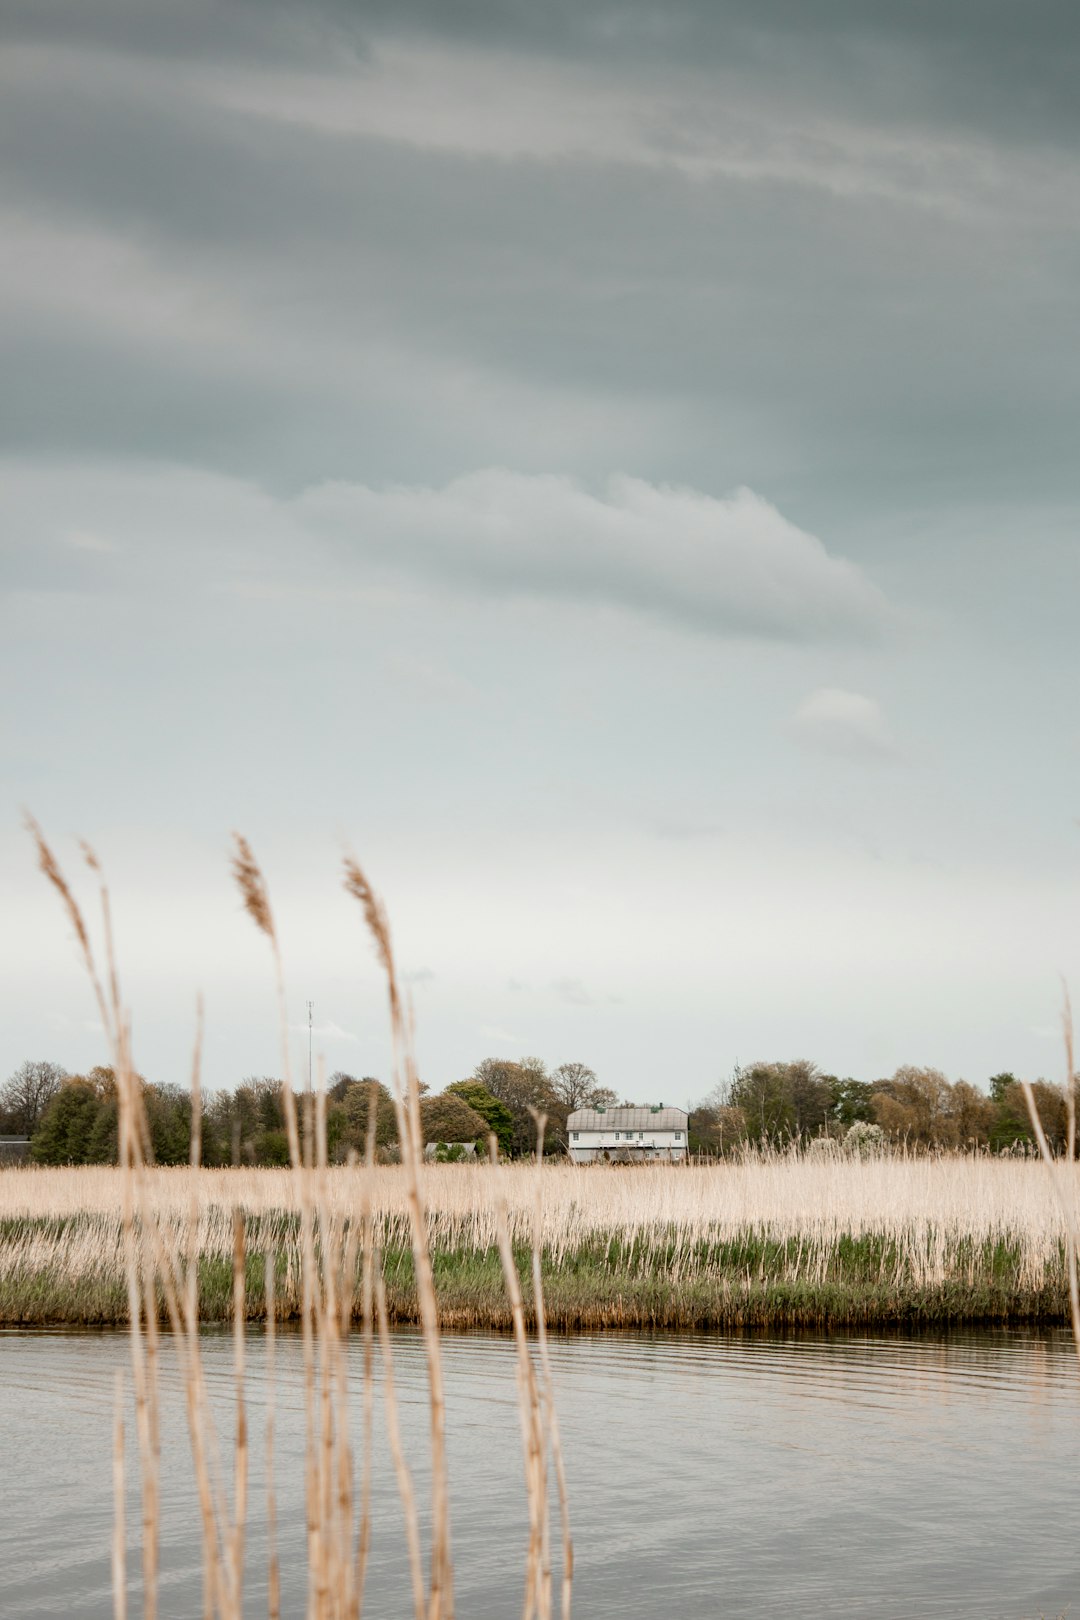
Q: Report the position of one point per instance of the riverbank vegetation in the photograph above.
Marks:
(73, 1119)
(794, 1239)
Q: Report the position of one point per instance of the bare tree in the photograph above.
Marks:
(24, 1098)
(574, 1084)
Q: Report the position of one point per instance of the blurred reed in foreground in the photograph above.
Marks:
(318, 1259)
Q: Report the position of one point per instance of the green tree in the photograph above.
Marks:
(168, 1118)
(782, 1102)
(235, 1122)
(103, 1146)
(66, 1126)
(271, 1147)
(853, 1100)
(495, 1114)
(1000, 1085)
(1011, 1124)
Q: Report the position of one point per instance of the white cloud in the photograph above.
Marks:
(833, 721)
(730, 566)
(722, 567)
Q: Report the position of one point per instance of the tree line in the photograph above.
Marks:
(775, 1104)
(73, 1118)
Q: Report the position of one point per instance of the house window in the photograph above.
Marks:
(616, 1136)
(640, 1135)
(575, 1136)
(678, 1136)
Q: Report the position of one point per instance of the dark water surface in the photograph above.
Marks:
(894, 1478)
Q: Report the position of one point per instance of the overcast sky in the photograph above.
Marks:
(613, 465)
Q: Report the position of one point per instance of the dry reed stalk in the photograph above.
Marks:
(240, 1448)
(1062, 1180)
(119, 1545)
(401, 1467)
(363, 1539)
(550, 1409)
(147, 1260)
(532, 1440)
(188, 1337)
(131, 1147)
(406, 1090)
(273, 1583)
(336, 1494)
(256, 899)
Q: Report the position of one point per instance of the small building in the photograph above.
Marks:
(451, 1151)
(14, 1150)
(627, 1134)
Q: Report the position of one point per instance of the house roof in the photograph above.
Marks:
(627, 1119)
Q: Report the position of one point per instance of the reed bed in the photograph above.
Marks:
(778, 1239)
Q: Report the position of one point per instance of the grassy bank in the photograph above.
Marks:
(777, 1242)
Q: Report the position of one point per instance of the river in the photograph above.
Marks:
(898, 1478)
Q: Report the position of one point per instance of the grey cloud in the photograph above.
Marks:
(870, 355)
(261, 30)
(401, 312)
(987, 64)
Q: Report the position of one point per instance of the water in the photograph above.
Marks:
(894, 1478)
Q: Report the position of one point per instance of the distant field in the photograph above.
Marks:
(781, 1241)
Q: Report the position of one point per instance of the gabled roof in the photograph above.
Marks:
(627, 1119)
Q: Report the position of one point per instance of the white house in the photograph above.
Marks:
(627, 1133)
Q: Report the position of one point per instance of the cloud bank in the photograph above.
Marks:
(731, 566)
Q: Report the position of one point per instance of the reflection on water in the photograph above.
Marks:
(898, 1478)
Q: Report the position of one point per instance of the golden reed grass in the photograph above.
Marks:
(64, 1222)
(163, 1239)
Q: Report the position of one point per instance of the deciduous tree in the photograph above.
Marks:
(24, 1098)
(495, 1114)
